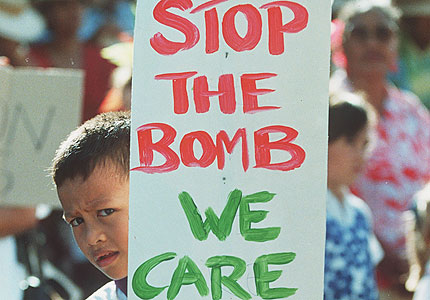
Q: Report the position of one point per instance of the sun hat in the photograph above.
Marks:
(19, 21)
(411, 8)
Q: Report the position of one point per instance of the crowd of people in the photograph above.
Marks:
(378, 183)
(367, 54)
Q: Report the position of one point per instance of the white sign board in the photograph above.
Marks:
(38, 109)
(228, 149)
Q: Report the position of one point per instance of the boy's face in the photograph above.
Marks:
(346, 159)
(97, 210)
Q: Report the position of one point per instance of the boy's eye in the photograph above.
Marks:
(106, 212)
(76, 222)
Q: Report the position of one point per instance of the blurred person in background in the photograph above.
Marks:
(336, 6)
(413, 69)
(337, 28)
(399, 164)
(19, 24)
(420, 244)
(119, 96)
(110, 23)
(65, 50)
(107, 22)
(351, 250)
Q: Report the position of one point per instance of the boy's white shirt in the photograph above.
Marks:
(343, 212)
(423, 289)
(108, 292)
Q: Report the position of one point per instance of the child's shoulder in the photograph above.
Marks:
(107, 292)
(350, 201)
(358, 204)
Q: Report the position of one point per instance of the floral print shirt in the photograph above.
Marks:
(398, 165)
(349, 259)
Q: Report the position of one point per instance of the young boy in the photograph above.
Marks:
(91, 172)
(350, 255)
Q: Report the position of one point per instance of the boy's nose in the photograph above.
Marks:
(95, 235)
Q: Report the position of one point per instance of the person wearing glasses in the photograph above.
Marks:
(399, 162)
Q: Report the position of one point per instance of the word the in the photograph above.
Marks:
(215, 150)
(187, 273)
(276, 28)
(225, 92)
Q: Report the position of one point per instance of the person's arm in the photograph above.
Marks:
(14, 220)
(13, 51)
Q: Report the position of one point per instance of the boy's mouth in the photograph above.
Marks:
(106, 259)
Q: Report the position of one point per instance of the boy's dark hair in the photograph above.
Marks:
(348, 115)
(104, 138)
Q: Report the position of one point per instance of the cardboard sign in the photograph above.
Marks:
(38, 109)
(229, 147)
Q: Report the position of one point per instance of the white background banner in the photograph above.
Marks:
(38, 109)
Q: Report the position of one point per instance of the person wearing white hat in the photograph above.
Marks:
(19, 24)
(414, 51)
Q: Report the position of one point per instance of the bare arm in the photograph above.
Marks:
(14, 220)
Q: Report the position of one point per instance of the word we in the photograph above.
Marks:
(276, 28)
(221, 227)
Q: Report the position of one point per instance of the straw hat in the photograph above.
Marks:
(412, 8)
(19, 21)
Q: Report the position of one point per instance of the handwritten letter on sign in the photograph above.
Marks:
(228, 152)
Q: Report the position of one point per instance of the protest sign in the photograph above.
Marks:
(38, 108)
(228, 149)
